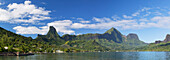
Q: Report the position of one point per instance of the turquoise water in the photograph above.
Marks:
(95, 56)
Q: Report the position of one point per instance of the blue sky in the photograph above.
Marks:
(148, 18)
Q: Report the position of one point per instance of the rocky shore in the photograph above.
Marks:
(14, 54)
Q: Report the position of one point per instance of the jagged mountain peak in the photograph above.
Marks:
(52, 32)
(111, 30)
(167, 39)
(52, 37)
(113, 34)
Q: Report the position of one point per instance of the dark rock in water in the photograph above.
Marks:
(167, 39)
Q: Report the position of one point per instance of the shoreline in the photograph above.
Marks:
(14, 54)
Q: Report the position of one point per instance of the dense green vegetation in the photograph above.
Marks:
(158, 45)
(155, 47)
(16, 42)
(108, 41)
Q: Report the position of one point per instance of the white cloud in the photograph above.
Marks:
(135, 14)
(101, 20)
(145, 9)
(2, 3)
(143, 19)
(61, 26)
(78, 25)
(65, 26)
(139, 11)
(29, 30)
(85, 21)
(137, 22)
(115, 17)
(24, 24)
(23, 12)
(161, 22)
(80, 19)
(125, 16)
(44, 3)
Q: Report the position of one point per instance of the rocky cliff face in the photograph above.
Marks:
(167, 39)
(51, 37)
(132, 36)
(52, 33)
(133, 40)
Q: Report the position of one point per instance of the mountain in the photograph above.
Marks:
(111, 39)
(132, 36)
(52, 33)
(52, 37)
(133, 41)
(90, 45)
(158, 45)
(68, 37)
(112, 34)
(16, 42)
(167, 39)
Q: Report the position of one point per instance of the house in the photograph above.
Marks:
(59, 51)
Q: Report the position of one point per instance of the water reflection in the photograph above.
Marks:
(95, 56)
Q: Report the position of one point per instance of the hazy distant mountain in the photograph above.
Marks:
(133, 40)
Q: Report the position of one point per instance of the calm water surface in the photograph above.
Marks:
(95, 56)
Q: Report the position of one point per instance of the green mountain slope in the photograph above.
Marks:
(112, 39)
(158, 45)
(52, 37)
(111, 34)
(16, 42)
(90, 45)
(133, 41)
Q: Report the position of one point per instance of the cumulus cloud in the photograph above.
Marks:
(65, 26)
(61, 26)
(137, 22)
(29, 30)
(23, 12)
(85, 21)
(104, 19)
